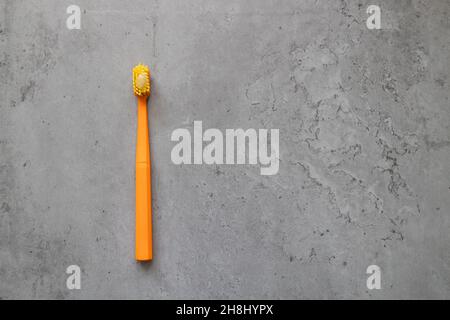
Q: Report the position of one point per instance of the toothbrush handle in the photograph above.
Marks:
(144, 249)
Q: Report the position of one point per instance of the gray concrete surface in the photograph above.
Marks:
(364, 148)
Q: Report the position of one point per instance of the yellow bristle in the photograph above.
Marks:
(141, 80)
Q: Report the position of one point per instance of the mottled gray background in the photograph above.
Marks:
(364, 145)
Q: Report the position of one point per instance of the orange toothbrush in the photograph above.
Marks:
(141, 87)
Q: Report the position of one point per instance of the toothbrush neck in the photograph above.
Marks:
(142, 143)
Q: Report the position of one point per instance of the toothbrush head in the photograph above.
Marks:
(141, 80)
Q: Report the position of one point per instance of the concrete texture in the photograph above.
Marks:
(364, 175)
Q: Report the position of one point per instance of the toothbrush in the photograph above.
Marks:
(141, 88)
